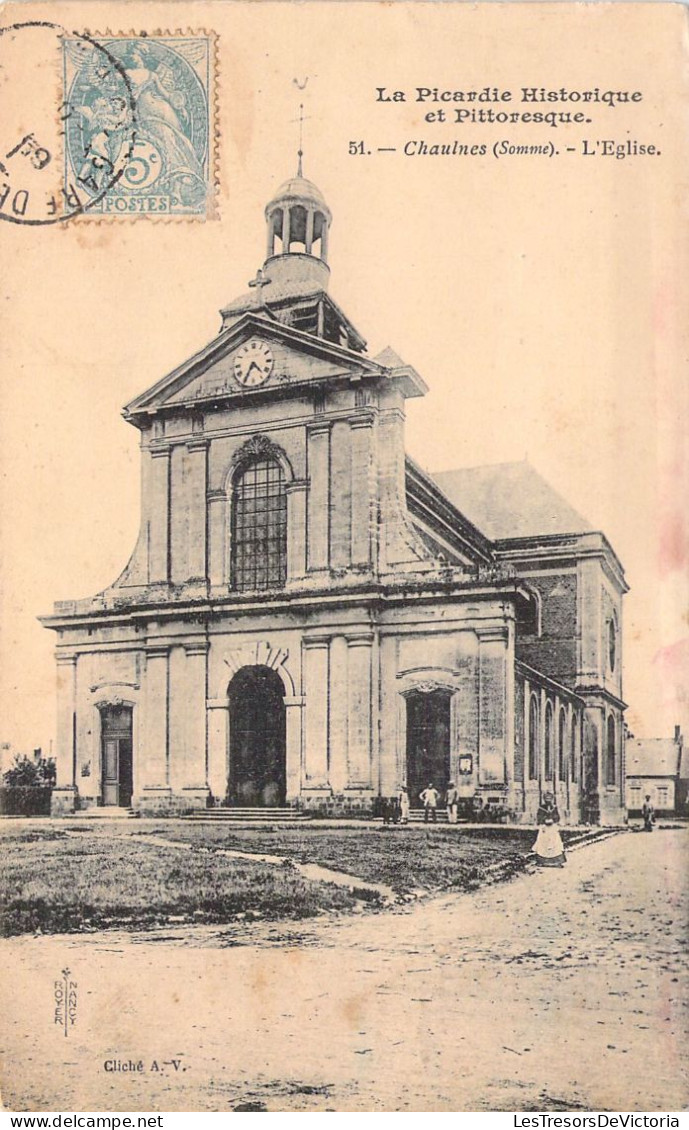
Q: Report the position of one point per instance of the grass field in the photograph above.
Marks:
(74, 876)
(56, 884)
(408, 859)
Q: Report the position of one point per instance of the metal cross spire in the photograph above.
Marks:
(301, 119)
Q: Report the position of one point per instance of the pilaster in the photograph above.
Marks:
(153, 768)
(217, 537)
(492, 705)
(318, 455)
(66, 720)
(339, 680)
(316, 680)
(218, 722)
(196, 769)
(159, 516)
(296, 492)
(341, 495)
(294, 711)
(359, 710)
(361, 435)
(392, 757)
(197, 451)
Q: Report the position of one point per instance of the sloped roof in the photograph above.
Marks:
(510, 500)
(652, 757)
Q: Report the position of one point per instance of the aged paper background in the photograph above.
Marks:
(543, 300)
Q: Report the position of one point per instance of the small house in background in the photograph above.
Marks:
(659, 768)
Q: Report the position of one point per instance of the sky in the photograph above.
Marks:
(542, 298)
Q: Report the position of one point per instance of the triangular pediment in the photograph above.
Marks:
(226, 369)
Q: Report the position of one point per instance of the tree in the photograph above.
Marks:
(29, 773)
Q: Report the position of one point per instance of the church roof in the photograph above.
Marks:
(510, 500)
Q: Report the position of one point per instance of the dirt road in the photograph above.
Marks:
(560, 990)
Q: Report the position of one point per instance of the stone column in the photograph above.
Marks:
(196, 501)
(319, 493)
(195, 774)
(218, 572)
(154, 773)
(359, 710)
(296, 492)
(293, 753)
(316, 671)
(218, 721)
(64, 796)
(308, 242)
(361, 426)
(159, 516)
(338, 773)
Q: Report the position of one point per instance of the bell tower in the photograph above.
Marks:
(292, 285)
(298, 222)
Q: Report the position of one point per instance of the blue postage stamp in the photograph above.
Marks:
(138, 125)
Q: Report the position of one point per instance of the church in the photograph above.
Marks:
(309, 620)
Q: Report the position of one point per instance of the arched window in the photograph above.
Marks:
(610, 759)
(561, 749)
(549, 742)
(612, 642)
(259, 526)
(533, 739)
(575, 748)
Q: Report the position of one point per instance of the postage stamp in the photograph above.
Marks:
(142, 105)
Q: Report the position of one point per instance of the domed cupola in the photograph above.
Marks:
(298, 220)
(292, 285)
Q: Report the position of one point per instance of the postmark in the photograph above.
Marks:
(33, 190)
(102, 126)
(169, 81)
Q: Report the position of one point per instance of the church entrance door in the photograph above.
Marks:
(428, 742)
(257, 738)
(116, 755)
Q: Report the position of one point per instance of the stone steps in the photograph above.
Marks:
(104, 812)
(416, 816)
(247, 816)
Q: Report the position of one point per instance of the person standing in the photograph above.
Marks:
(429, 798)
(648, 813)
(548, 848)
(452, 802)
(403, 805)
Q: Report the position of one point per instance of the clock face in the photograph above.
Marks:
(253, 364)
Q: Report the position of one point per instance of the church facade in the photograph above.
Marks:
(309, 619)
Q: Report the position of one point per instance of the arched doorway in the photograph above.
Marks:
(257, 738)
(428, 741)
(116, 755)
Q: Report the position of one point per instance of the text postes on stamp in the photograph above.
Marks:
(160, 84)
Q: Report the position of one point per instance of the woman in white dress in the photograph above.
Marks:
(548, 848)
